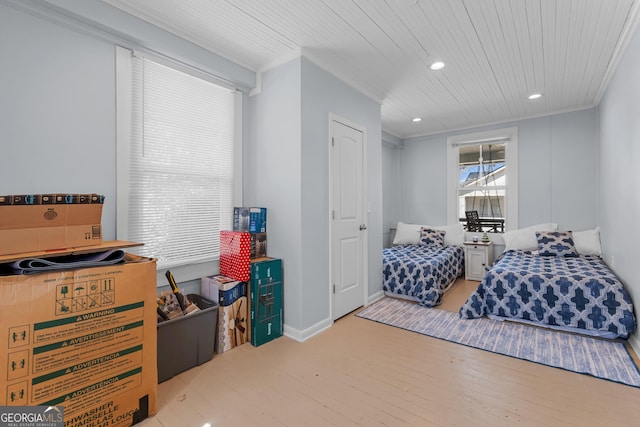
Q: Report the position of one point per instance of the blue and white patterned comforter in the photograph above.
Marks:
(422, 272)
(579, 293)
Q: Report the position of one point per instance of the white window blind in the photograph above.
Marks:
(180, 164)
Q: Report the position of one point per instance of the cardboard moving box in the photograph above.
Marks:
(49, 221)
(83, 339)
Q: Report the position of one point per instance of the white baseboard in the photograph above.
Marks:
(303, 335)
(375, 297)
(634, 342)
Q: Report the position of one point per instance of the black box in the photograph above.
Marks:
(258, 245)
(187, 341)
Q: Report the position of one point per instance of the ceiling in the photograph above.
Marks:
(497, 52)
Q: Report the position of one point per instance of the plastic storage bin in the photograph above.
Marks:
(187, 341)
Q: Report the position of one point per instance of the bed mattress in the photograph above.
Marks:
(578, 293)
(421, 272)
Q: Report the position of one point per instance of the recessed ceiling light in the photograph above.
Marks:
(535, 95)
(416, 119)
(439, 65)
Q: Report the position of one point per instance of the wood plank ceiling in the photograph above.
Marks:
(497, 52)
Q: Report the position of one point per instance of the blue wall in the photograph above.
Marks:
(288, 167)
(557, 172)
(58, 99)
(619, 178)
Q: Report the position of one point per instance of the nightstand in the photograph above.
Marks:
(477, 256)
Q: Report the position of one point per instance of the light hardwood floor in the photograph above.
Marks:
(361, 373)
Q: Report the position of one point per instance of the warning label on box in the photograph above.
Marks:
(106, 389)
(71, 377)
(73, 350)
(84, 340)
(81, 296)
(57, 329)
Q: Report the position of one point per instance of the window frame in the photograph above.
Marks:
(510, 136)
(124, 106)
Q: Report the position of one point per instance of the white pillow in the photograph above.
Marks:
(409, 234)
(454, 234)
(525, 238)
(588, 242)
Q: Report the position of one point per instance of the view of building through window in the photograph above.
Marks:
(482, 186)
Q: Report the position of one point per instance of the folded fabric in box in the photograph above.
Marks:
(66, 262)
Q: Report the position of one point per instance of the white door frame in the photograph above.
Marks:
(335, 118)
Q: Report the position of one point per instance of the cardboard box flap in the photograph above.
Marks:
(39, 222)
(33, 211)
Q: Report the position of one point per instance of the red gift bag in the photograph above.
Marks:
(235, 251)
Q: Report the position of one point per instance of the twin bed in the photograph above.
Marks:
(544, 278)
(577, 294)
(421, 272)
(422, 263)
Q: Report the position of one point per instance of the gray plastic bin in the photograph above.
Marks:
(187, 341)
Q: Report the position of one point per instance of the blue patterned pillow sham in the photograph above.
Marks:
(430, 236)
(556, 243)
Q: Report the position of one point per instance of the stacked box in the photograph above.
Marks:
(42, 222)
(257, 220)
(240, 219)
(82, 339)
(266, 300)
(232, 310)
(235, 254)
(258, 245)
(253, 220)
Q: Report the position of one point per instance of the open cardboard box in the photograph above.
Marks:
(47, 222)
(83, 339)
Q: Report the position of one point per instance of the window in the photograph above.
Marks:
(176, 148)
(482, 180)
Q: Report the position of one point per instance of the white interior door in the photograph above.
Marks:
(347, 218)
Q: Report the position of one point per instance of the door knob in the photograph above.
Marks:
(363, 227)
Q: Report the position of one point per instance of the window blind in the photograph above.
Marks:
(180, 164)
